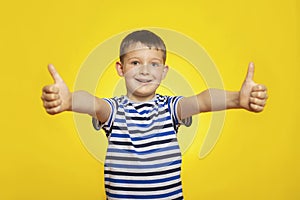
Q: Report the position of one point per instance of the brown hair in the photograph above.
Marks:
(145, 37)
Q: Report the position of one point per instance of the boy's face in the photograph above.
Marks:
(143, 69)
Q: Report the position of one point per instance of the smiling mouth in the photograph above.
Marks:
(143, 80)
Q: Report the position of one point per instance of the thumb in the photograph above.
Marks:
(56, 77)
(250, 73)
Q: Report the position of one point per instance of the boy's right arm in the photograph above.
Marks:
(57, 98)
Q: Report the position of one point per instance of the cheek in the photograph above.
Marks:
(161, 74)
(129, 72)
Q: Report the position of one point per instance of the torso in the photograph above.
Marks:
(143, 159)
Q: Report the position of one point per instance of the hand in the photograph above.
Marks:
(253, 96)
(56, 97)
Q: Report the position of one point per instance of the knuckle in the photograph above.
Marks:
(49, 111)
(45, 104)
(53, 97)
(255, 100)
(259, 87)
(44, 89)
(260, 108)
(259, 94)
(256, 108)
(57, 103)
(53, 110)
(54, 104)
(253, 94)
(56, 109)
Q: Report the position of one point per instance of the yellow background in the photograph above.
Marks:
(257, 156)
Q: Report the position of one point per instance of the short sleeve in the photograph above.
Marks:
(173, 105)
(108, 124)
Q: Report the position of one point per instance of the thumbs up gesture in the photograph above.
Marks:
(56, 97)
(253, 96)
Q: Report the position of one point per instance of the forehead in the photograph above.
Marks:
(143, 51)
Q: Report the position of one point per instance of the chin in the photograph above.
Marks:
(144, 94)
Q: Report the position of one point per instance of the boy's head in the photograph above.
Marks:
(144, 37)
(142, 64)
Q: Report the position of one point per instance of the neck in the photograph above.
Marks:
(137, 98)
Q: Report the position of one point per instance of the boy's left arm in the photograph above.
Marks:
(252, 97)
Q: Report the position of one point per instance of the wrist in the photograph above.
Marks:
(233, 100)
(70, 102)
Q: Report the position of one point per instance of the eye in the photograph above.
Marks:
(135, 63)
(155, 64)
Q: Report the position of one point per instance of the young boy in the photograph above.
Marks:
(143, 159)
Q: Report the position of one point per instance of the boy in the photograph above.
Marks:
(143, 159)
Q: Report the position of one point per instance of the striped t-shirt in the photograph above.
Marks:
(143, 159)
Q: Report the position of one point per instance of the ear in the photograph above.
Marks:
(165, 71)
(119, 68)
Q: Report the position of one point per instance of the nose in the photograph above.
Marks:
(144, 69)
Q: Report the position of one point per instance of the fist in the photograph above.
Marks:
(253, 96)
(258, 98)
(56, 97)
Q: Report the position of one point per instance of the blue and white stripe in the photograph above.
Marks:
(143, 159)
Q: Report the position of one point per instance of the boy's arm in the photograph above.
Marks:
(251, 97)
(57, 98)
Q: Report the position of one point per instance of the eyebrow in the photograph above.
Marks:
(151, 59)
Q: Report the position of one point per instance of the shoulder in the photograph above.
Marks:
(115, 101)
